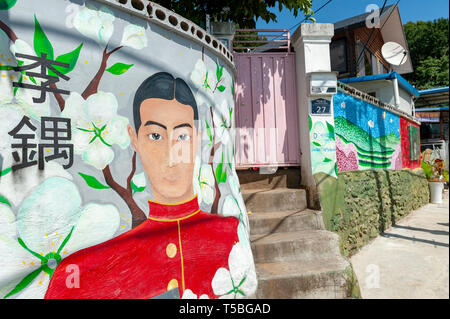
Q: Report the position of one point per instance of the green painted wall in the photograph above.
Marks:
(359, 205)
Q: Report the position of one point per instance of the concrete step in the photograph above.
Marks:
(278, 199)
(307, 245)
(282, 178)
(288, 221)
(316, 279)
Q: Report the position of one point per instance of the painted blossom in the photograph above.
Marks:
(13, 97)
(94, 23)
(188, 294)
(51, 224)
(134, 37)
(240, 280)
(203, 80)
(204, 182)
(96, 127)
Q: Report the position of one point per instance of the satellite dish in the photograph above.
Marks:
(394, 53)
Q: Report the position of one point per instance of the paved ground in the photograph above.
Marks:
(411, 260)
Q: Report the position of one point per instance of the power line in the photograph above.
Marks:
(308, 16)
(373, 30)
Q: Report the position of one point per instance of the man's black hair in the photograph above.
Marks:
(162, 85)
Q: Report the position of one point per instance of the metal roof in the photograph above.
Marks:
(433, 97)
(385, 76)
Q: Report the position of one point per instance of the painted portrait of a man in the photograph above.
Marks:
(179, 246)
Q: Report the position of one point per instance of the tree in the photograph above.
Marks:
(428, 46)
(244, 13)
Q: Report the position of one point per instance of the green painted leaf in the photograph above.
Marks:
(136, 189)
(317, 144)
(335, 169)
(4, 201)
(7, 4)
(6, 67)
(330, 131)
(70, 58)
(119, 68)
(41, 42)
(93, 182)
(219, 173)
(310, 122)
(327, 160)
(5, 171)
(221, 88)
(208, 130)
(25, 282)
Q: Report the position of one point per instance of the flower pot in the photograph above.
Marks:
(436, 189)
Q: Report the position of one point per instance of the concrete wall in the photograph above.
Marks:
(116, 57)
(361, 204)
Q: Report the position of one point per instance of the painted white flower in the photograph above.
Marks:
(139, 180)
(51, 224)
(134, 37)
(94, 23)
(343, 105)
(19, 98)
(204, 182)
(240, 280)
(188, 294)
(205, 82)
(232, 207)
(96, 127)
(371, 124)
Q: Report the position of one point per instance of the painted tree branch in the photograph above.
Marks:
(133, 170)
(215, 206)
(58, 97)
(9, 32)
(137, 215)
(92, 88)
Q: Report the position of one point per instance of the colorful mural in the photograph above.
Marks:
(367, 136)
(410, 133)
(117, 173)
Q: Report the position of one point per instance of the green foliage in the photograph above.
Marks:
(244, 14)
(70, 58)
(93, 182)
(41, 42)
(428, 46)
(4, 200)
(427, 168)
(119, 68)
(42, 45)
(135, 188)
(7, 4)
(221, 173)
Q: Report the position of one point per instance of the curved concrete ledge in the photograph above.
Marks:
(174, 22)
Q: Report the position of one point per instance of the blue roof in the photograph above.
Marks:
(386, 76)
(434, 90)
(429, 109)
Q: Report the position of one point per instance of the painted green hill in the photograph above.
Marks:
(362, 140)
(391, 140)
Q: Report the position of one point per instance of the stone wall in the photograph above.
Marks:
(359, 205)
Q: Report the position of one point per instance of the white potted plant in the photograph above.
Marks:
(437, 176)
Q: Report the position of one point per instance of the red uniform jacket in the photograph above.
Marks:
(178, 246)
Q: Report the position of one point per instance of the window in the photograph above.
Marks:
(338, 52)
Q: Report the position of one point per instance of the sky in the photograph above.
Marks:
(336, 10)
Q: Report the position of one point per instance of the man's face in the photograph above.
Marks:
(167, 142)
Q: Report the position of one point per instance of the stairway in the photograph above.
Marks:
(295, 257)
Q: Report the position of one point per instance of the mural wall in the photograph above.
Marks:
(367, 137)
(410, 133)
(117, 176)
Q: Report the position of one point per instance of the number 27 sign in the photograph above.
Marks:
(320, 107)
